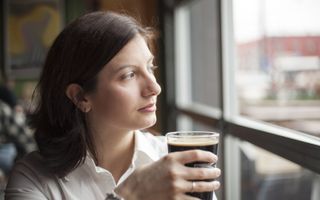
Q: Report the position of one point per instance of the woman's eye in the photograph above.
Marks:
(152, 68)
(128, 75)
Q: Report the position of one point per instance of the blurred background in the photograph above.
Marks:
(247, 69)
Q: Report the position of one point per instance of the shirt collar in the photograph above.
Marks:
(142, 147)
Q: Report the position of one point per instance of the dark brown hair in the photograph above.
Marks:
(77, 55)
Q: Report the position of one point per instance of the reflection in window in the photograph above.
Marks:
(278, 62)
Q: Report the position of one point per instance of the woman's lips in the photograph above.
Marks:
(149, 108)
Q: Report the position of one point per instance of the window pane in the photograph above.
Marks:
(267, 176)
(197, 53)
(278, 62)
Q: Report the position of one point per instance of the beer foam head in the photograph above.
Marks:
(192, 141)
(192, 138)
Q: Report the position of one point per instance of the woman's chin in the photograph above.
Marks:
(149, 122)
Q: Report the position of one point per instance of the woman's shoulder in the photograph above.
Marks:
(32, 166)
(33, 162)
(29, 176)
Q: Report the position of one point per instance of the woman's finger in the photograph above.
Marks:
(203, 186)
(201, 173)
(191, 156)
(199, 186)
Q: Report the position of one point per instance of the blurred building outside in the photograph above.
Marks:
(279, 81)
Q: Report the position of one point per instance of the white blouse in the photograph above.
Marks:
(30, 180)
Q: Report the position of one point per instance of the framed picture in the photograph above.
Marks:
(30, 26)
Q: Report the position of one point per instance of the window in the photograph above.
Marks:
(249, 70)
(271, 98)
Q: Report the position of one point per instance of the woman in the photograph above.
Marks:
(96, 91)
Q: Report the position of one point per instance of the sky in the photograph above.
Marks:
(275, 18)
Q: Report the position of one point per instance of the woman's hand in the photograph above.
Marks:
(170, 179)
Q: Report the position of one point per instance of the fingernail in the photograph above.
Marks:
(216, 184)
(218, 172)
(215, 159)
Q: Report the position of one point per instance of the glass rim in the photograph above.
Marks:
(198, 134)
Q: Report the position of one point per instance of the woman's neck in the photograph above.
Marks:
(114, 151)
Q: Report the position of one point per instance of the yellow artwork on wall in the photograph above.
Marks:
(31, 27)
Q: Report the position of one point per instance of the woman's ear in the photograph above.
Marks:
(75, 93)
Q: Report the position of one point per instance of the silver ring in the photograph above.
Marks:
(193, 186)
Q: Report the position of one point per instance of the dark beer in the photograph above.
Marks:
(211, 146)
(190, 143)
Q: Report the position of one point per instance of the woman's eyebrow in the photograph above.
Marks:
(117, 69)
(123, 67)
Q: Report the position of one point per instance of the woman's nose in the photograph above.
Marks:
(151, 88)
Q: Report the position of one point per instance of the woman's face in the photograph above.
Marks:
(126, 93)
